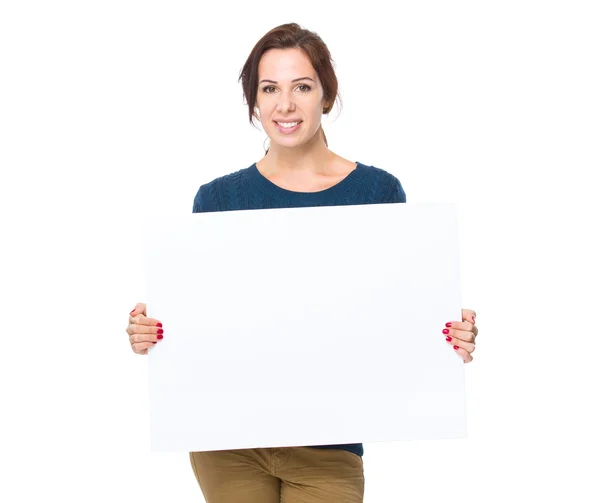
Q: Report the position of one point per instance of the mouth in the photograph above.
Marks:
(288, 130)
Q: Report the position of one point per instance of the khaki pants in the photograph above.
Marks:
(274, 475)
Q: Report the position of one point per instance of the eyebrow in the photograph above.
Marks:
(295, 80)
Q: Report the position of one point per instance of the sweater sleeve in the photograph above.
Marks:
(395, 192)
(197, 202)
(203, 202)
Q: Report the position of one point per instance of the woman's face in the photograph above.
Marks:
(289, 90)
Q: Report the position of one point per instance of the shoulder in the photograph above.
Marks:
(210, 195)
(386, 187)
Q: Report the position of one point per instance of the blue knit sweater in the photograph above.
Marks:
(248, 189)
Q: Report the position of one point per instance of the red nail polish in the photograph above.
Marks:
(159, 336)
(455, 347)
(153, 342)
(159, 324)
(448, 324)
(160, 331)
(445, 331)
(448, 338)
(473, 318)
(132, 310)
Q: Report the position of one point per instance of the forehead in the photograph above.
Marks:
(285, 64)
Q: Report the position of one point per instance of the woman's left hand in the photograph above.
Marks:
(461, 335)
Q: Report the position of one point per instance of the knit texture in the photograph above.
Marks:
(248, 189)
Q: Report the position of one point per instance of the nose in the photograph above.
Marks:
(285, 103)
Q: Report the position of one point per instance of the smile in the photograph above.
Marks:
(288, 127)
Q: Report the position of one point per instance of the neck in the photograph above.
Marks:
(311, 158)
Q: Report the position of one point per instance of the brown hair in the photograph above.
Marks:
(291, 36)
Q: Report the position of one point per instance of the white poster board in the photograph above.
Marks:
(304, 326)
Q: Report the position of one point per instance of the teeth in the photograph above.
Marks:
(287, 124)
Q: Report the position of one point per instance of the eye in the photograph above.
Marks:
(266, 88)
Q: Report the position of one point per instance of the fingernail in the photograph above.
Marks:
(159, 336)
(160, 331)
(132, 310)
(448, 324)
(473, 318)
(159, 324)
(448, 338)
(153, 342)
(445, 331)
(455, 347)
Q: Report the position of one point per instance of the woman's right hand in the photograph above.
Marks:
(143, 332)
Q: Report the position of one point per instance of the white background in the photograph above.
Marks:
(113, 110)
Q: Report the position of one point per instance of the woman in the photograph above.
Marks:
(289, 82)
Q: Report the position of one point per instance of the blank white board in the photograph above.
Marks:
(304, 326)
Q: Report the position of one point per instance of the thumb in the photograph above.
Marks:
(140, 307)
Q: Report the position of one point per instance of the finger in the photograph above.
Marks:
(141, 348)
(140, 319)
(144, 333)
(469, 315)
(149, 338)
(463, 335)
(154, 335)
(464, 355)
(469, 347)
(134, 328)
(461, 325)
(140, 308)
